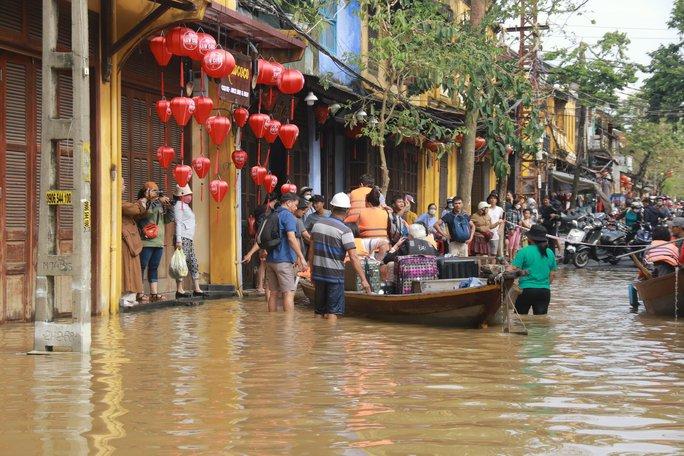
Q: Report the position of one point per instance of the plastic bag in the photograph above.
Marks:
(178, 267)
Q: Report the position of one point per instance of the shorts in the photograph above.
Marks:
(537, 298)
(280, 277)
(328, 298)
(459, 249)
(371, 244)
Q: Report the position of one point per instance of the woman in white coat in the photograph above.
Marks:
(185, 234)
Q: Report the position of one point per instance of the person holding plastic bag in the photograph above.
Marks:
(185, 233)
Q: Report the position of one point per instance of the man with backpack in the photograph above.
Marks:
(461, 228)
(278, 236)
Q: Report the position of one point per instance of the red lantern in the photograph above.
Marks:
(182, 109)
(165, 156)
(182, 174)
(288, 135)
(270, 182)
(203, 107)
(205, 43)
(269, 99)
(159, 51)
(291, 81)
(278, 69)
(322, 113)
(201, 165)
(218, 189)
(240, 116)
(271, 131)
(458, 139)
(480, 143)
(218, 63)
(182, 41)
(509, 149)
(164, 110)
(288, 188)
(218, 127)
(258, 173)
(239, 158)
(267, 72)
(433, 146)
(257, 122)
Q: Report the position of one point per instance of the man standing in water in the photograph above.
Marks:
(332, 240)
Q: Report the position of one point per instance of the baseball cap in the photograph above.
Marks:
(305, 189)
(482, 205)
(409, 198)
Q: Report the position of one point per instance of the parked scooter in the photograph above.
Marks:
(574, 237)
(610, 236)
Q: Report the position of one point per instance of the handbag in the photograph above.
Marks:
(151, 230)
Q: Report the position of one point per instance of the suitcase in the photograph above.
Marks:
(414, 267)
(371, 267)
(457, 268)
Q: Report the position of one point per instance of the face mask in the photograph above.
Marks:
(432, 211)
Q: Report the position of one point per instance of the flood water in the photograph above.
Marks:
(228, 378)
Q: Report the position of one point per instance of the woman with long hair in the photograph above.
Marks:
(538, 260)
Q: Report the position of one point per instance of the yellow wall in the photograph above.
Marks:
(452, 182)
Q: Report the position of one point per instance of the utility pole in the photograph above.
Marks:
(581, 141)
(75, 336)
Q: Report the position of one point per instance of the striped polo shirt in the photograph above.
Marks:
(331, 240)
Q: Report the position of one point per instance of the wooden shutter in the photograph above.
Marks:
(16, 182)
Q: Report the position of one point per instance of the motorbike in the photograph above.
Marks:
(611, 236)
(574, 237)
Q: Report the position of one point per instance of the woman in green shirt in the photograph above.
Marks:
(157, 213)
(539, 262)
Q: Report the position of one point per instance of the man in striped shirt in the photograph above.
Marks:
(331, 241)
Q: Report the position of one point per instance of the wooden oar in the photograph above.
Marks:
(647, 274)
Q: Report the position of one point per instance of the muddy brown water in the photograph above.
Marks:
(228, 378)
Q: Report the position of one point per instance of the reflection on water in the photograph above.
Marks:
(227, 378)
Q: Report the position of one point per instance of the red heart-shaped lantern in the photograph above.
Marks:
(270, 182)
(264, 72)
(480, 142)
(218, 127)
(159, 51)
(288, 188)
(218, 189)
(165, 156)
(239, 158)
(291, 81)
(201, 165)
(257, 122)
(164, 110)
(182, 41)
(240, 115)
(271, 131)
(205, 43)
(288, 135)
(182, 174)
(218, 63)
(322, 112)
(203, 107)
(258, 173)
(182, 109)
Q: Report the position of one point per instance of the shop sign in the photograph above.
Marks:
(236, 88)
(58, 197)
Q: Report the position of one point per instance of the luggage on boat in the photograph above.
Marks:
(371, 267)
(414, 267)
(457, 268)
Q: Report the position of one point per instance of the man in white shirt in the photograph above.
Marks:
(496, 213)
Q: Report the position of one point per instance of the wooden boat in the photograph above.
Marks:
(466, 307)
(658, 294)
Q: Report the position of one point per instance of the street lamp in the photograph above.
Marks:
(310, 99)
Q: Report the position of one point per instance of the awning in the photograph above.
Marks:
(584, 185)
(242, 27)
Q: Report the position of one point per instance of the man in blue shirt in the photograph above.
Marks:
(283, 261)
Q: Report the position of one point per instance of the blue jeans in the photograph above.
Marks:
(150, 257)
(328, 298)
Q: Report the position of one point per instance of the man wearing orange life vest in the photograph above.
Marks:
(373, 223)
(662, 253)
(358, 197)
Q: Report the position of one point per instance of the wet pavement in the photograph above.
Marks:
(228, 378)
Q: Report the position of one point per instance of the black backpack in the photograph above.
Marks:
(268, 236)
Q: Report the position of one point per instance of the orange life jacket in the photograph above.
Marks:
(358, 197)
(662, 252)
(373, 222)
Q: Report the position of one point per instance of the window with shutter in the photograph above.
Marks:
(15, 188)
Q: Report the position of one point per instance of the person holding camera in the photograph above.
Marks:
(151, 225)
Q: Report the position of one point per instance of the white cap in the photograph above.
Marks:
(341, 200)
(482, 205)
(182, 191)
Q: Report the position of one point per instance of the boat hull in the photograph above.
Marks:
(468, 307)
(658, 294)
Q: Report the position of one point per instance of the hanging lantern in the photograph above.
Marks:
(239, 158)
(257, 122)
(433, 146)
(278, 69)
(203, 107)
(480, 143)
(291, 81)
(322, 113)
(270, 182)
(165, 156)
(458, 139)
(205, 44)
(159, 50)
(218, 127)
(240, 116)
(182, 174)
(201, 165)
(269, 98)
(218, 63)
(182, 41)
(218, 189)
(271, 131)
(163, 110)
(182, 109)
(265, 73)
(258, 173)
(288, 135)
(288, 188)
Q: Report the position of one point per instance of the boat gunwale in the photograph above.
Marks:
(414, 296)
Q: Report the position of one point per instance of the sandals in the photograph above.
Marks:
(156, 297)
(142, 298)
